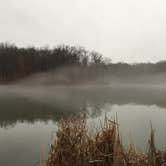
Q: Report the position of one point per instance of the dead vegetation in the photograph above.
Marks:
(76, 146)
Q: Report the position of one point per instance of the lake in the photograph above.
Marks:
(28, 116)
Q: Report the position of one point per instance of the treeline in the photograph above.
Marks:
(138, 68)
(16, 63)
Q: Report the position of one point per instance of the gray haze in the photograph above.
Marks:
(130, 30)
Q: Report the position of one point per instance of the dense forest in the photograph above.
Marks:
(17, 63)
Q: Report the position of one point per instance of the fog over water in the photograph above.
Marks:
(30, 108)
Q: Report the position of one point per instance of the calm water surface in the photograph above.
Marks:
(28, 116)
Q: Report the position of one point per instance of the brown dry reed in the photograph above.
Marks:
(76, 146)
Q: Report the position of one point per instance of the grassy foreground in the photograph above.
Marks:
(76, 146)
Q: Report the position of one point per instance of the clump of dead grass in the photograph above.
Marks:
(75, 146)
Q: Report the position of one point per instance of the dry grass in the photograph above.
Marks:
(75, 146)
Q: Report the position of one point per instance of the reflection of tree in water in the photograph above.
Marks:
(93, 109)
(15, 109)
(19, 109)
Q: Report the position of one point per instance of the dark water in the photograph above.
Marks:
(28, 116)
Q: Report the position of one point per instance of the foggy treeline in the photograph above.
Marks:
(17, 63)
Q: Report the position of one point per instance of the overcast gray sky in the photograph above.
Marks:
(124, 30)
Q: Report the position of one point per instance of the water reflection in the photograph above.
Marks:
(28, 116)
(53, 103)
(22, 144)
